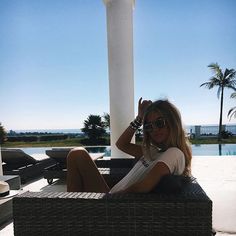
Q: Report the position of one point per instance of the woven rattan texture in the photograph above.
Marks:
(186, 213)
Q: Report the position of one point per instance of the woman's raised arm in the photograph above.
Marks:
(124, 141)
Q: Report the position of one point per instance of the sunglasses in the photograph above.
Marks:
(158, 123)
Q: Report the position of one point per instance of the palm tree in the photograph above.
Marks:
(94, 128)
(221, 80)
(232, 111)
(106, 118)
(3, 134)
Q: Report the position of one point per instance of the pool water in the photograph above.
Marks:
(214, 150)
(197, 150)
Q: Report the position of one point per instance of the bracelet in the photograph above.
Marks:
(136, 123)
(138, 119)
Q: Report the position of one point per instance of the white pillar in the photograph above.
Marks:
(1, 172)
(120, 63)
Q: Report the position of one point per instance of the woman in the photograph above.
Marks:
(164, 151)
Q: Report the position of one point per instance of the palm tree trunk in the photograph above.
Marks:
(221, 111)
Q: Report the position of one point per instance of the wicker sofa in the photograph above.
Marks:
(188, 212)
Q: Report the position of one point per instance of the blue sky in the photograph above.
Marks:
(54, 65)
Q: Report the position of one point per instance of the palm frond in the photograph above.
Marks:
(229, 73)
(207, 84)
(231, 113)
(216, 69)
(214, 65)
(212, 83)
(215, 81)
(229, 78)
(230, 87)
(233, 95)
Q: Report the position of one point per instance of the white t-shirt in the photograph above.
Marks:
(172, 157)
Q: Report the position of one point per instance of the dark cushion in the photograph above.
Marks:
(17, 158)
(172, 184)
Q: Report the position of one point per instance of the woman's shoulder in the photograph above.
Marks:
(174, 150)
(174, 158)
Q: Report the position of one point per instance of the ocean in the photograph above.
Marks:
(204, 129)
(53, 131)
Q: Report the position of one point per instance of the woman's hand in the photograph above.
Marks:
(124, 141)
(142, 106)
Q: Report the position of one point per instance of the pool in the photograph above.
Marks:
(197, 150)
(214, 150)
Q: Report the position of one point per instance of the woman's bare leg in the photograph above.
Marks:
(83, 174)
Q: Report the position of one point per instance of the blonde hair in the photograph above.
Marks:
(177, 137)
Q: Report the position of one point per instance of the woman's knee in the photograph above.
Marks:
(78, 154)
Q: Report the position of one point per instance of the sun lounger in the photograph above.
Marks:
(60, 154)
(42, 213)
(17, 162)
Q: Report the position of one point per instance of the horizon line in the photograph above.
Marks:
(34, 129)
